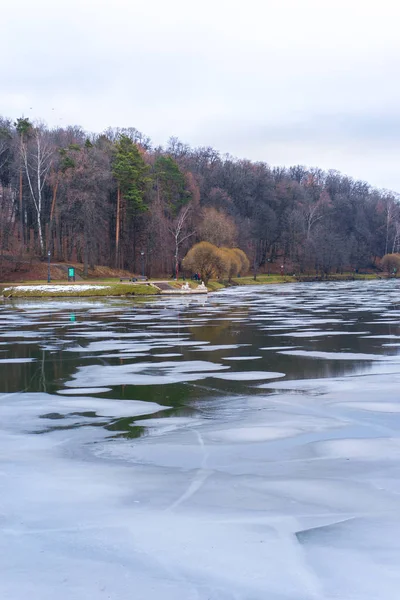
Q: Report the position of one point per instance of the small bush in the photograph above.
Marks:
(391, 263)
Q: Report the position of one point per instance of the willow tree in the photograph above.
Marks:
(391, 263)
(243, 260)
(131, 174)
(207, 260)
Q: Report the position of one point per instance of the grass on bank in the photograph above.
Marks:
(213, 285)
(341, 277)
(273, 278)
(120, 290)
(263, 279)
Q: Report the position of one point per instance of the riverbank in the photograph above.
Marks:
(112, 288)
(77, 290)
(115, 288)
(215, 285)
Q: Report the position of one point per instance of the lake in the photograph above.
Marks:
(240, 446)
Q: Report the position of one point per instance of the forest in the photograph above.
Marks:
(115, 199)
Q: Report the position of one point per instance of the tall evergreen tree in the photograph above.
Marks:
(171, 184)
(131, 174)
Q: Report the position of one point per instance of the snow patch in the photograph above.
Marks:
(56, 288)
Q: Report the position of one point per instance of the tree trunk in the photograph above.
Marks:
(51, 222)
(117, 227)
(39, 204)
(176, 258)
(58, 238)
(85, 253)
(21, 216)
(40, 233)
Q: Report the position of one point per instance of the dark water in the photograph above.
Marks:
(70, 344)
(180, 429)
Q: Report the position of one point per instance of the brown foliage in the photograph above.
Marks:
(309, 218)
(391, 263)
(232, 263)
(210, 261)
(243, 260)
(217, 228)
(206, 259)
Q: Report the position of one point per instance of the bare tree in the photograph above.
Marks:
(218, 228)
(395, 217)
(313, 211)
(36, 157)
(391, 211)
(396, 238)
(4, 146)
(389, 217)
(180, 232)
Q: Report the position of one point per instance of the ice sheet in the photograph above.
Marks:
(283, 490)
(248, 375)
(144, 373)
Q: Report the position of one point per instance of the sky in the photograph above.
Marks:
(312, 82)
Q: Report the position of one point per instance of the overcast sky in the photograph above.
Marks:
(312, 82)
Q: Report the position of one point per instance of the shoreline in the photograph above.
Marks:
(96, 289)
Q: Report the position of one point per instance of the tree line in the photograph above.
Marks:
(115, 199)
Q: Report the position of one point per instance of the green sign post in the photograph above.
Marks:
(71, 274)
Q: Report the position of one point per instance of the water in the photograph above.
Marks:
(242, 446)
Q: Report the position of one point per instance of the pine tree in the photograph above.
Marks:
(172, 184)
(131, 173)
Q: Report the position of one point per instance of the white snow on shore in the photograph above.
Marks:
(56, 288)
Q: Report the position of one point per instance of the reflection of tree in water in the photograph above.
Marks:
(220, 333)
(124, 427)
(224, 332)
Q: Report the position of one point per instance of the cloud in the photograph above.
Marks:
(265, 79)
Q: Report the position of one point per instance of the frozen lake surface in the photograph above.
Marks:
(240, 446)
